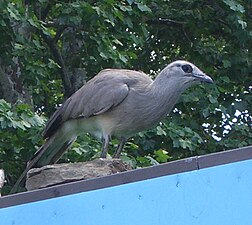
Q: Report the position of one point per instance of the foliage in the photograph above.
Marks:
(20, 136)
(60, 43)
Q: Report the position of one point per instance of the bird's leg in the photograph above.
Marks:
(105, 145)
(120, 148)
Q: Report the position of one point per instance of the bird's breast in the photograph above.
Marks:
(135, 115)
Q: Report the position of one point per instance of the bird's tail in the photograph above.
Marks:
(48, 153)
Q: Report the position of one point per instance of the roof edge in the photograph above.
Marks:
(174, 167)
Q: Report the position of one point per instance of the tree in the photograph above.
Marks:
(48, 49)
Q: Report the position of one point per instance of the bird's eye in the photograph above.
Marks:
(187, 68)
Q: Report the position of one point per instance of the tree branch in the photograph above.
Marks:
(7, 91)
(59, 59)
(52, 44)
(59, 31)
(45, 12)
(166, 21)
(11, 86)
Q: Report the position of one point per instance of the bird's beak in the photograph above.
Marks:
(203, 77)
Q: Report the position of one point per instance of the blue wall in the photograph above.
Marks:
(220, 195)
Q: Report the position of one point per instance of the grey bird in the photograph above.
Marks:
(115, 103)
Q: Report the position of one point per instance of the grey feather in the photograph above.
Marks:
(105, 91)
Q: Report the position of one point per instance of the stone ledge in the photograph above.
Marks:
(51, 175)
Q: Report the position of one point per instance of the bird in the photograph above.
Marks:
(115, 103)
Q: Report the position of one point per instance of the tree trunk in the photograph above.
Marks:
(11, 87)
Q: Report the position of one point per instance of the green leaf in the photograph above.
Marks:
(161, 156)
(242, 23)
(128, 22)
(116, 41)
(130, 1)
(143, 8)
(123, 58)
(125, 8)
(212, 99)
(103, 55)
(160, 131)
(13, 13)
(33, 23)
(234, 5)
(226, 63)
(225, 79)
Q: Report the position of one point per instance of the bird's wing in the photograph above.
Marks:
(100, 94)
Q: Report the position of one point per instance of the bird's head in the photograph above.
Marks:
(186, 73)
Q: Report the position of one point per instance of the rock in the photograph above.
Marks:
(51, 175)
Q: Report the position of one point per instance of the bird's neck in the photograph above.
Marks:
(165, 95)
